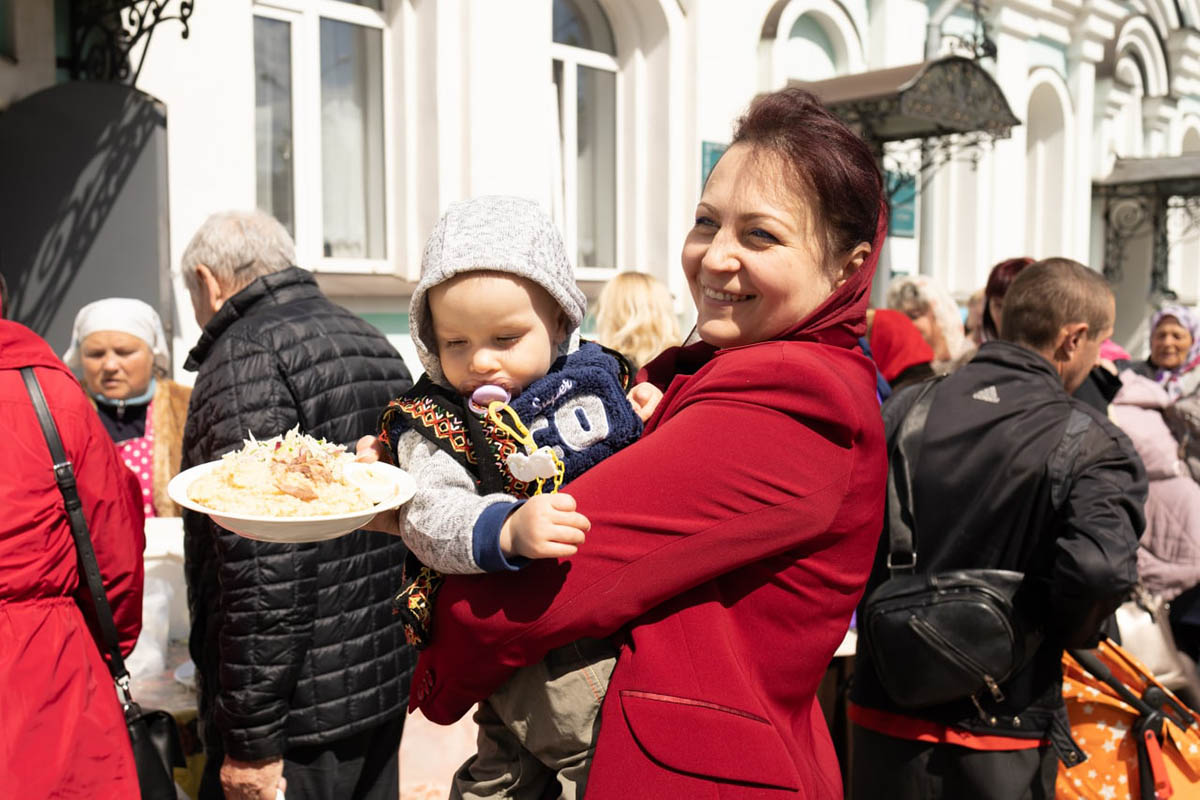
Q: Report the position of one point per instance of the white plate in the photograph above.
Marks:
(397, 487)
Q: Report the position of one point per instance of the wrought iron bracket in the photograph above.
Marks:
(105, 33)
(1135, 209)
(978, 44)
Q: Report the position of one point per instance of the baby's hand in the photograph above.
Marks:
(547, 526)
(369, 449)
(644, 398)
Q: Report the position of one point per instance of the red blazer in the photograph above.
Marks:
(62, 732)
(728, 548)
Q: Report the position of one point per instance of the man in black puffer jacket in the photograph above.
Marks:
(303, 669)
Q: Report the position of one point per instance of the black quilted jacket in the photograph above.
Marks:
(294, 644)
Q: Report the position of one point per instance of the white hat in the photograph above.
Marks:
(122, 314)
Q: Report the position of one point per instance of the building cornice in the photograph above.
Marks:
(1183, 54)
(1094, 25)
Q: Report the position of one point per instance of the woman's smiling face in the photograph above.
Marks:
(753, 259)
(1169, 344)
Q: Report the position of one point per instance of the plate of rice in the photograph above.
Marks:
(291, 488)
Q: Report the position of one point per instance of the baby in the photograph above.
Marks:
(497, 306)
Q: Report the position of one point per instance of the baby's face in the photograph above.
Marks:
(494, 328)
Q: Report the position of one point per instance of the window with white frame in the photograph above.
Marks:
(585, 77)
(321, 128)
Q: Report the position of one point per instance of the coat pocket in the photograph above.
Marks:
(709, 740)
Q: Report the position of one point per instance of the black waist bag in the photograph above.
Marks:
(946, 636)
(943, 637)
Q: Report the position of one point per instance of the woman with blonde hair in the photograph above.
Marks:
(635, 316)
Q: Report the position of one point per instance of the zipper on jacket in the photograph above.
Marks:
(951, 652)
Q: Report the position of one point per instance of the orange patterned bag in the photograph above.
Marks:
(1103, 724)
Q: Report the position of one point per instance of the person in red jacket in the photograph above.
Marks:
(729, 545)
(62, 733)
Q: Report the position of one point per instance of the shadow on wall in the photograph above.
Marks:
(83, 211)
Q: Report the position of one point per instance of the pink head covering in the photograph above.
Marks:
(1113, 351)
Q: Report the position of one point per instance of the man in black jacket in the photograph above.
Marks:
(302, 667)
(986, 495)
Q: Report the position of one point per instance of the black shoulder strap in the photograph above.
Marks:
(64, 475)
(902, 554)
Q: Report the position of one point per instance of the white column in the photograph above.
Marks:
(1085, 52)
(507, 45)
(1005, 236)
(886, 49)
(207, 84)
(452, 111)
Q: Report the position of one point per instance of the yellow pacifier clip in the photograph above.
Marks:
(521, 434)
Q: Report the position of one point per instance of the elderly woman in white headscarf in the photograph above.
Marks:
(118, 347)
(936, 315)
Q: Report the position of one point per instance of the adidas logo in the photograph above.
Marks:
(987, 394)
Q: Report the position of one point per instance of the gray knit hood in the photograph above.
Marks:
(495, 234)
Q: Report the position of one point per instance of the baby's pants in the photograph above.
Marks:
(540, 726)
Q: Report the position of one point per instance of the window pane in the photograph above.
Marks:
(375, 4)
(352, 188)
(273, 118)
(582, 23)
(597, 154)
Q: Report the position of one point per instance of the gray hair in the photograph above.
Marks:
(238, 246)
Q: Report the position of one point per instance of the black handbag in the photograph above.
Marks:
(153, 734)
(945, 636)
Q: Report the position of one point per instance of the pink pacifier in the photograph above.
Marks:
(485, 395)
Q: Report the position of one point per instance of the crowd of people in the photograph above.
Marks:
(660, 625)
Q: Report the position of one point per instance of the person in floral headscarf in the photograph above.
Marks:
(1174, 351)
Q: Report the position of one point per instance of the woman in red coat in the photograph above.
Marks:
(62, 733)
(728, 546)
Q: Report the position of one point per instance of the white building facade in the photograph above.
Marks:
(356, 123)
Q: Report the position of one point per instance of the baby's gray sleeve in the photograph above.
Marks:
(438, 523)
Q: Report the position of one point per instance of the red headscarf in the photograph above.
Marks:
(896, 344)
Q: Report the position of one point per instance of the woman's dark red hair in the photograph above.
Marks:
(999, 279)
(828, 162)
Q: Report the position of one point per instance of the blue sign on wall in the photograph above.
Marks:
(902, 199)
(710, 152)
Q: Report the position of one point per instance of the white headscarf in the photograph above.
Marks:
(945, 311)
(122, 314)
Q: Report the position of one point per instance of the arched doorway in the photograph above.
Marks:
(808, 40)
(809, 52)
(1046, 185)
